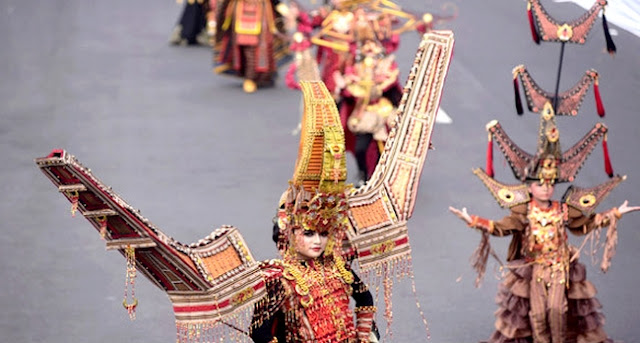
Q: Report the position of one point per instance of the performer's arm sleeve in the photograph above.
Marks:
(365, 311)
(580, 224)
(361, 293)
(267, 330)
(267, 324)
(503, 227)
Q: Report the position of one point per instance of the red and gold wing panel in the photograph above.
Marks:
(158, 256)
(379, 210)
(208, 281)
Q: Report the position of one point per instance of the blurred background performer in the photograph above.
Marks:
(250, 41)
(191, 28)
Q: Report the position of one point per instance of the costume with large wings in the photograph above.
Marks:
(213, 284)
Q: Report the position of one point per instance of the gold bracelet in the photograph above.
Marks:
(365, 309)
(617, 213)
(474, 221)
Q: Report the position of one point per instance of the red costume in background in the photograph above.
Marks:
(249, 41)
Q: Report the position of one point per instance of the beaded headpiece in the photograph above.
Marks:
(549, 163)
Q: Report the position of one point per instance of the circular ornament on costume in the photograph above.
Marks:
(306, 300)
(565, 32)
(287, 274)
(552, 134)
(506, 195)
(301, 290)
(547, 111)
(587, 200)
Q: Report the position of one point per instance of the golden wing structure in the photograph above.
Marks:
(212, 284)
(380, 209)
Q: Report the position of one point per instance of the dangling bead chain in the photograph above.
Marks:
(130, 279)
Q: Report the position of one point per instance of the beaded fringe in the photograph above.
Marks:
(230, 328)
(385, 273)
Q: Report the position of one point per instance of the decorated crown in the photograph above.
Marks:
(316, 198)
(549, 163)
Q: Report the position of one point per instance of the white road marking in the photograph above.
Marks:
(442, 117)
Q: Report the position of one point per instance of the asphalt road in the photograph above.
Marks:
(193, 152)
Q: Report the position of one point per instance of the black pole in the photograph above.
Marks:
(555, 97)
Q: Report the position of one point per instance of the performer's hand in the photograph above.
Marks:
(461, 214)
(625, 208)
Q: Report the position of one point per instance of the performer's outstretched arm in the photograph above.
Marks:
(503, 227)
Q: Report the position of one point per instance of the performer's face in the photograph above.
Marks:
(541, 192)
(310, 244)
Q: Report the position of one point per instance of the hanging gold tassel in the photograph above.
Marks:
(130, 280)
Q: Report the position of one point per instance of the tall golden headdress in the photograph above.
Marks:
(316, 198)
(321, 164)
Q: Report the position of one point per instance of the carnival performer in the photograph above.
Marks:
(545, 296)
(370, 93)
(327, 317)
(333, 40)
(250, 41)
(191, 28)
(309, 290)
(220, 292)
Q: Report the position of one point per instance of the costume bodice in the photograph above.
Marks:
(317, 303)
(545, 241)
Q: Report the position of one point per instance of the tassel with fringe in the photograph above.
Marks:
(490, 157)
(480, 257)
(516, 92)
(384, 274)
(607, 161)
(532, 24)
(609, 220)
(596, 93)
(611, 47)
(611, 241)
